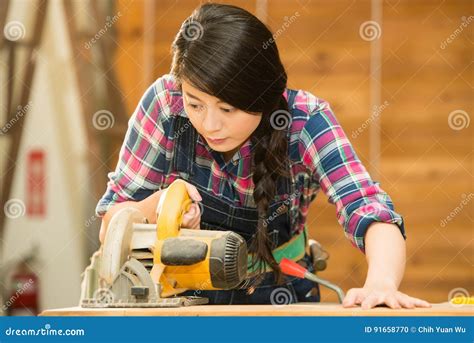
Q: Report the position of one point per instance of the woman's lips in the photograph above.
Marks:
(216, 141)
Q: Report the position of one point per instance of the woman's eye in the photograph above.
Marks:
(195, 107)
(227, 110)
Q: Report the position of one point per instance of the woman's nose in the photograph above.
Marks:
(211, 123)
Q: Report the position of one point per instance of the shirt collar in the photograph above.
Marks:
(244, 151)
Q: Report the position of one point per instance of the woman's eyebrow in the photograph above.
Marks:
(192, 96)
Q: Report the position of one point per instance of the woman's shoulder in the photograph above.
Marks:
(157, 110)
(305, 102)
(163, 99)
(306, 111)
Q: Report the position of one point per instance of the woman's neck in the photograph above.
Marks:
(229, 154)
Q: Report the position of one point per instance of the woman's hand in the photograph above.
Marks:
(385, 251)
(371, 296)
(192, 217)
(150, 205)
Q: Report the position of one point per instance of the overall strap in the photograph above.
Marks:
(185, 137)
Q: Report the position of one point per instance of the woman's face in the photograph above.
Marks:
(224, 127)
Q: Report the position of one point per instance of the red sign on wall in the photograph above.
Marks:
(36, 184)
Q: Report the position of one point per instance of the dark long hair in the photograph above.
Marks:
(227, 52)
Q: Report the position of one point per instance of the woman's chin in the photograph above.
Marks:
(219, 148)
(224, 147)
(227, 150)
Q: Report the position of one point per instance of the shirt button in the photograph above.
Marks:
(235, 163)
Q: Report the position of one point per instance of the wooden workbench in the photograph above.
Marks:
(300, 309)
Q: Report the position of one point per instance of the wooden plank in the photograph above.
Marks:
(299, 309)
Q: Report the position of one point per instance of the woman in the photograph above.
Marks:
(254, 154)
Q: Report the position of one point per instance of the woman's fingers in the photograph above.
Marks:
(405, 301)
(193, 192)
(353, 297)
(196, 225)
(420, 303)
(192, 218)
(410, 302)
(349, 299)
(192, 223)
(371, 301)
(192, 211)
(393, 302)
(197, 208)
(198, 218)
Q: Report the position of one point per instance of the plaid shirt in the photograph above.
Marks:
(320, 153)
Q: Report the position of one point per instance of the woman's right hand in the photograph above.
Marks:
(192, 217)
(150, 205)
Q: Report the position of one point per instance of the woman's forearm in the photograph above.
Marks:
(385, 251)
(386, 255)
(146, 206)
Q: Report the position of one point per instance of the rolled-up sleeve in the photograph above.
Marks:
(359, 201)
(140, 168)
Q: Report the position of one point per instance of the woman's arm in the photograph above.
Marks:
(385, 253)
(330, 157)
(149, 207)
(386, 256)
(365, 210)
(146, 206)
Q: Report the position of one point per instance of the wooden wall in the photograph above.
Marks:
(425, 165)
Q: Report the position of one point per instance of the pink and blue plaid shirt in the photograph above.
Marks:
(320, 152)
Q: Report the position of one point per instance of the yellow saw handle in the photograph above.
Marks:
(174, 202)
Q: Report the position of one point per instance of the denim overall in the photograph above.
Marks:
(220, 214)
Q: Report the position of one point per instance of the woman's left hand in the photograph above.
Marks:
(369, 297)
